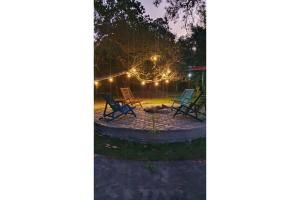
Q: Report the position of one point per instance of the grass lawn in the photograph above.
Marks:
(99, 104)
(122, 149)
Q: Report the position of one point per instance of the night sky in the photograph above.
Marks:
(154, 12)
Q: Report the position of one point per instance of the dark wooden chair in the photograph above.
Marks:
(195, 109)
(129, 98)
(118, 108)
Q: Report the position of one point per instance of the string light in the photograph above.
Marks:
(96, 83)
(111, 79)
(133, 69)
(156, 84)
(154, 58)
(143, 83)
(168, 71)
(128, 75)
(167, 81)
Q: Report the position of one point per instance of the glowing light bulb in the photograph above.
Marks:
(133, 69)
(111, 79)
(96, 83)
(128, 75)
(143, 83)
(168, 71)
(156, 84)
(167, 81)
(190, 75)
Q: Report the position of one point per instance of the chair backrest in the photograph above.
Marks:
(126, 93)
(115, 106)
(186, 96)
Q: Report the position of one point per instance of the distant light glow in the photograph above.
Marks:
(128, 75)
(133, 69)
(168, 71)
(167, 81)
(190, 75)
(96, 83)
(156, 84)
(143, 83)
(111, 79)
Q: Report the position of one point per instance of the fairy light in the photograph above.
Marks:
(96, 83)
(143, 83)
(156, 84)
(128, 75)
(111, 79)
(168, 71)
(167, 81)
(133, 69)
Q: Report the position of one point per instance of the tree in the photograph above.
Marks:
(189, 8)
(126, 37)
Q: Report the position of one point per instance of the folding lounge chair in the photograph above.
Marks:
(184, 98)
(118, 109)
(193, 109)
(129, 98)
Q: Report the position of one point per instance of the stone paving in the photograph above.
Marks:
(163, 121)
(170, 129)
(143, 180)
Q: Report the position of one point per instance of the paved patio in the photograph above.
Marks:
(141, 180)
(160, 127)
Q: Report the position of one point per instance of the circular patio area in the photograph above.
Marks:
(160, 127)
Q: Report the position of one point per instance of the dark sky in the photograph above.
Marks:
(155, 12)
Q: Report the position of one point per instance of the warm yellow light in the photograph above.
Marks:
(156, 84)
(143, 83)
(111, 79)
(168, 71)
(167, 81)
(128, 75)
(96, 83)
(154, 58)
(133, 69)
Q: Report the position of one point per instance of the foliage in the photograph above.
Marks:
(191, 9)
(125, 37)
(193, 51)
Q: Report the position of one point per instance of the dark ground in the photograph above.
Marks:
(151, 180)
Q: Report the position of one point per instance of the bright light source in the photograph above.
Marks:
(190, 75)
(128, 75)
(194, 48)
(154, 58)
(167, 81)
(143, 83)
(133, 69)
(168, 71)
(156, 84)
(111, 79)
(96, 83)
